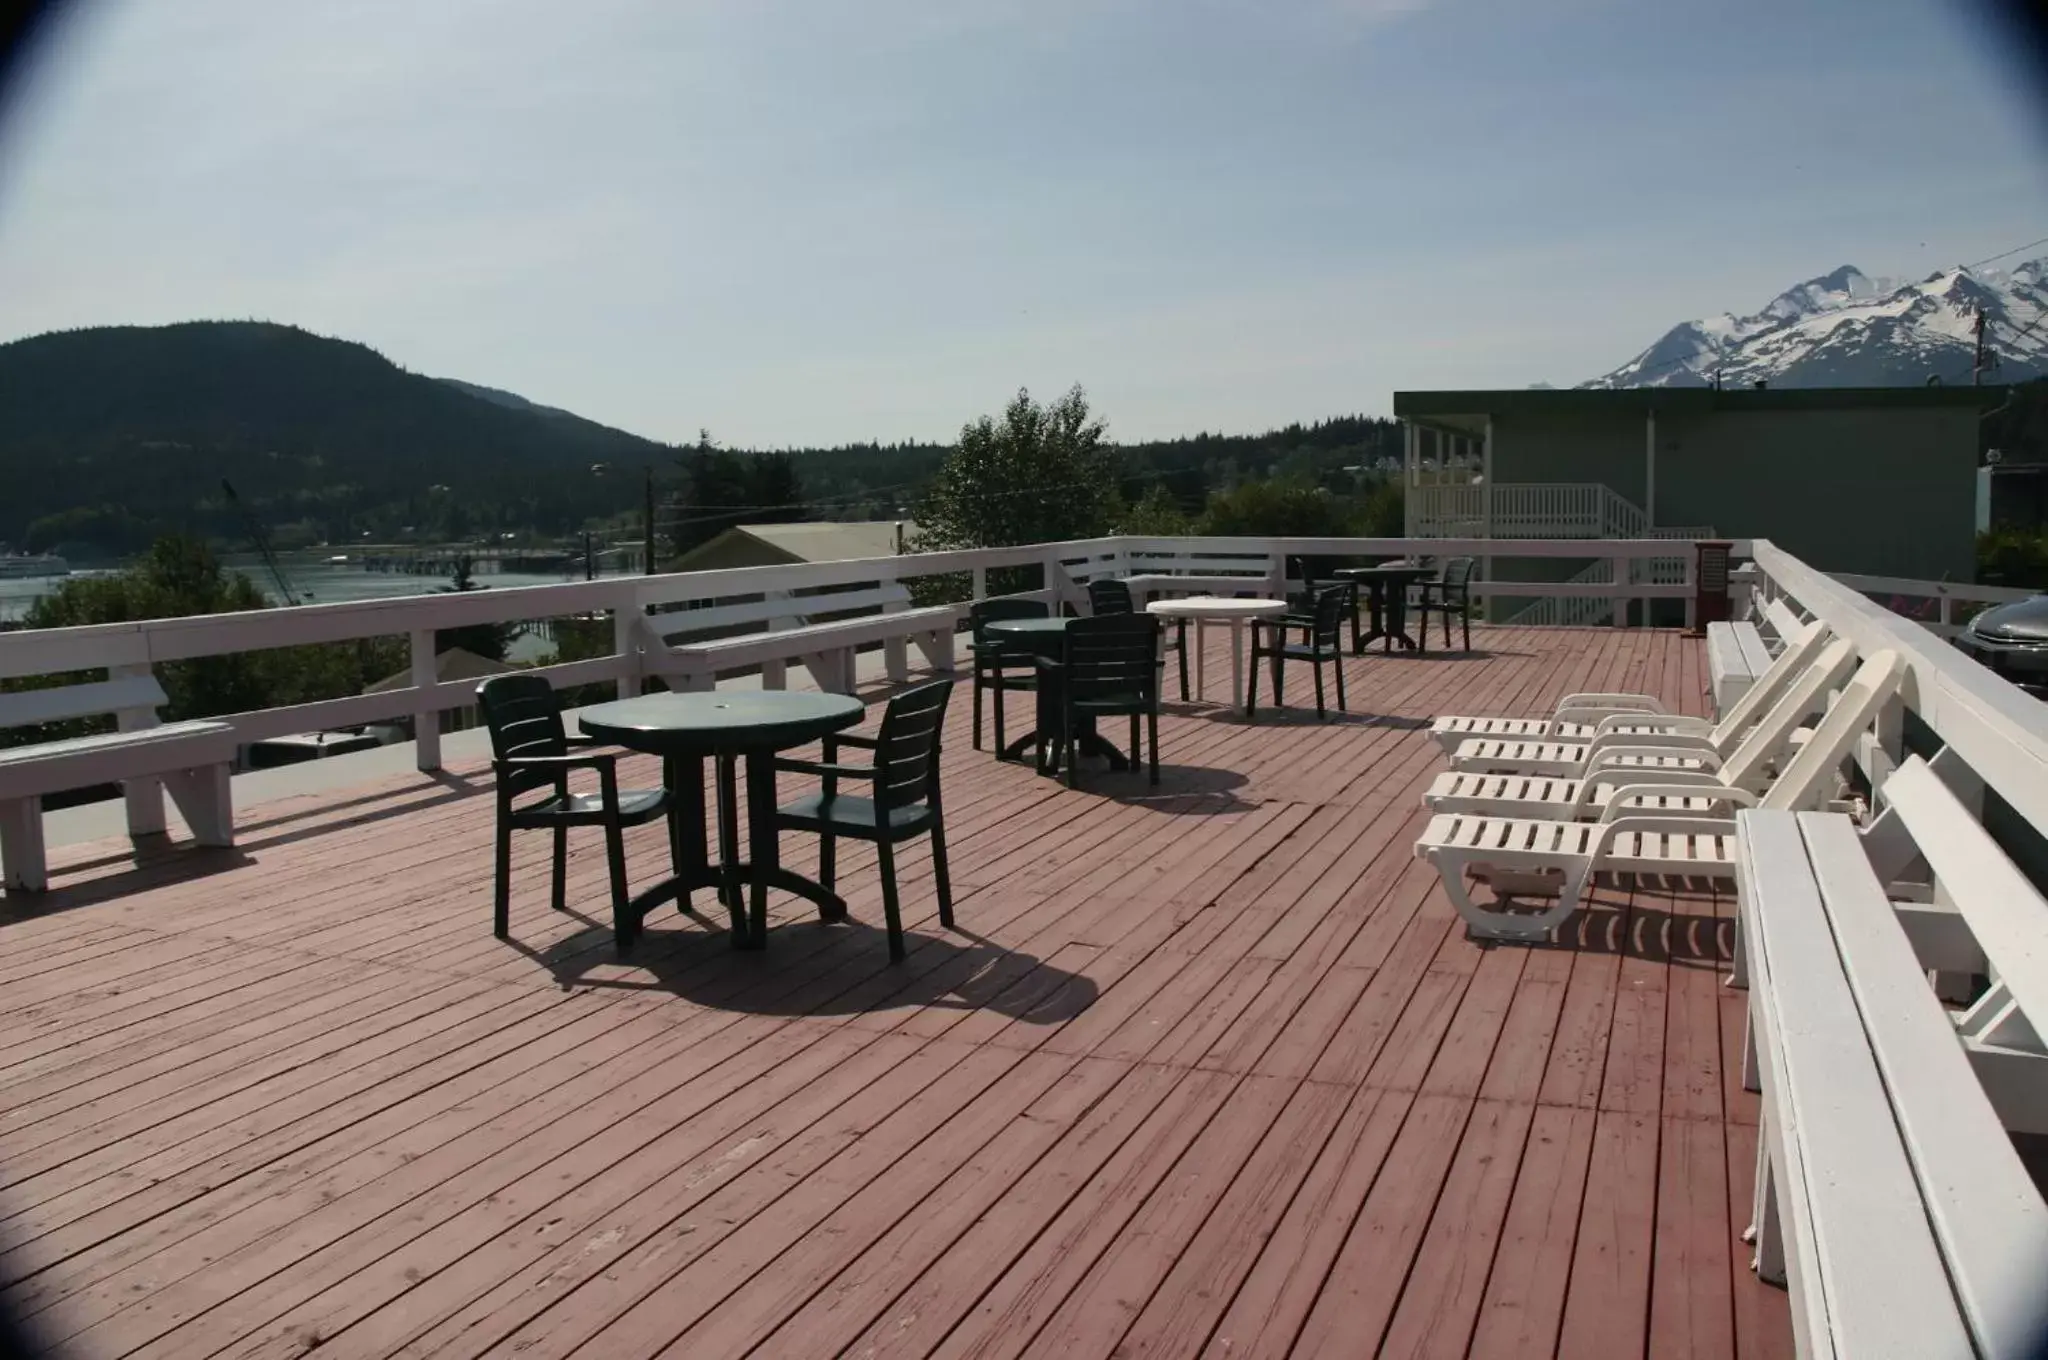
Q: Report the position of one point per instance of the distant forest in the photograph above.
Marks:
(111, 437)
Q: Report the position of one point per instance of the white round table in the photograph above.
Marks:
(1203, 610)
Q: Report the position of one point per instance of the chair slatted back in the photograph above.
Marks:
(1747, 765)
(1332, 604)
(907, 748)
(982, 613)
(1457, 573)
(1107, 597)
(1765, 690)
(1112, 656)
(1305, 572)
(525, 719)
(1805, 782)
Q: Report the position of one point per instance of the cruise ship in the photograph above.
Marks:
(14, 566)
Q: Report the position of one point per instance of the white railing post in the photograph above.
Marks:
(981, 583)
(426, 719)
(626, 635)
(144, 797)
(1621, 565)
(895, 650)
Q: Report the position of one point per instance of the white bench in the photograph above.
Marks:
(190, 759)
(1736, 656)
(1785, 626)
(826, 649)
(1145, 585)
(1889, 1197)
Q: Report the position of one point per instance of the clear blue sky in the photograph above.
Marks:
(824, 220)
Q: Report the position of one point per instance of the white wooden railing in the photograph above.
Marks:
(1943, 607)
(1513, 510)
(1998, 730)
(134, 648)
(1532, 510)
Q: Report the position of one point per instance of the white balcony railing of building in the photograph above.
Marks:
(1517, 510)
(1532, 510)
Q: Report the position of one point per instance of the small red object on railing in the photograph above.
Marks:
(1710, 583)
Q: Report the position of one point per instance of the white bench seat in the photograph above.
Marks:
(1889, 1199)
(1736, 656)
(192, 760)
(1839, 1219)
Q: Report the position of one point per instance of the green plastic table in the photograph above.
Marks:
(1388, 584)
(1046, 638)
(725, 727)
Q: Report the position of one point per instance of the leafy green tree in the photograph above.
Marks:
(1041, 474)
(2018, 558)
(1384, 514)
(492, 640)
(1276, 509)
(1155, 514)
(181, 577)
(722, 488)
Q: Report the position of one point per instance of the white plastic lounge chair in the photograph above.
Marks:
(1579, 716)
(1600, 793)
(1665, 741)
(1704, 847)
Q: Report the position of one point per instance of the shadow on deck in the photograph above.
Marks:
(1206, 1069)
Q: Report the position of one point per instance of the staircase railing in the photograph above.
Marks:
(1517, 510)
(1573, 611)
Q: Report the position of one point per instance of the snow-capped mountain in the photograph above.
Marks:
(1846, 329)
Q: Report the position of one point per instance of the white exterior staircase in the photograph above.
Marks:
(1551, 510)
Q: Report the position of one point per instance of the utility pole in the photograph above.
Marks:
(647, 524)
(1977, 364)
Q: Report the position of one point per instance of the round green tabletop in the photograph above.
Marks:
(1045, 637)
(720, 720)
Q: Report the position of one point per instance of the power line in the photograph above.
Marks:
(2003, 253)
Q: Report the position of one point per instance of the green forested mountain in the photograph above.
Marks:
(112, 436)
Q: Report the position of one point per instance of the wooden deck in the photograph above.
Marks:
(1208, 1070)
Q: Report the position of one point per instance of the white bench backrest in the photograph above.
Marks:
(1253, 567)
(1784, 623)
(804, 608)
(1795, 703)
(1763, 692)
(1804, 782)
(1755, 651)
(1988, 1217)
(2002, 909)
(25, 708)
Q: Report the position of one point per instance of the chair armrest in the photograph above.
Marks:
(820, 767)
(603, 761)
(849, 739)
(1616, 803)
(1654, 724)
(1611, 757)
(1616, 703)
(1688, 743)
